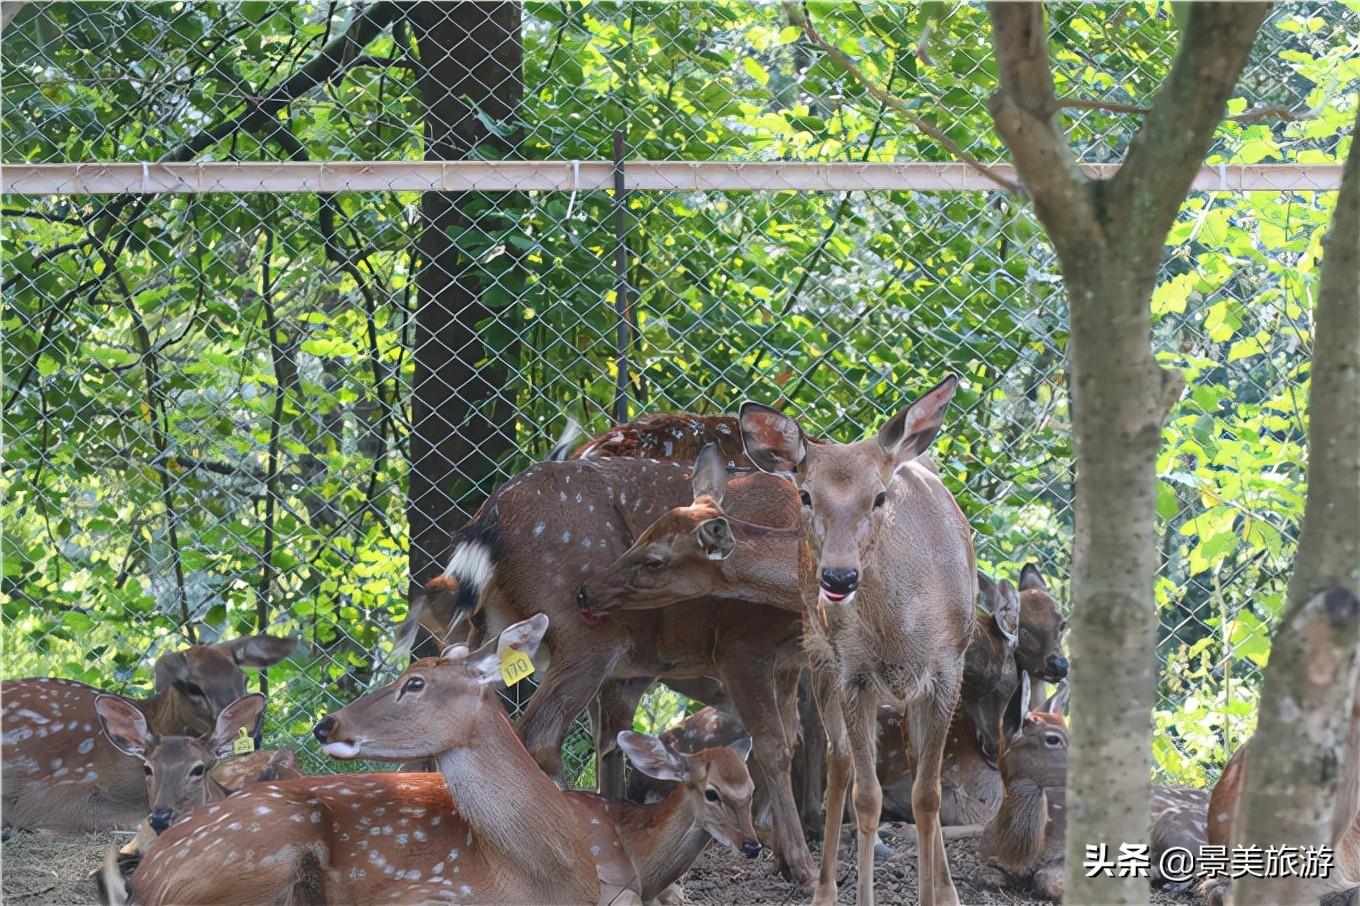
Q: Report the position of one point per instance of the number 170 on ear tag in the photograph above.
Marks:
(242, 744)
(515, 666)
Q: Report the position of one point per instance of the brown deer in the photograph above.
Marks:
(1022, 845)
(1038, 648)
(711, 799)
(62, 774)
(707, 728)
(184, 773)
(493, 828)
(677, 437)
(542, 532)
(888, 584)
(1224, 826)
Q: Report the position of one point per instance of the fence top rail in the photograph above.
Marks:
(568, 176)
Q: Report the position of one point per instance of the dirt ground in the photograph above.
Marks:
(55, 871)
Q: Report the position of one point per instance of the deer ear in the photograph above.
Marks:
(171, 668)
(715, 537)
(124, 725)
(1013, 721)
(1030, 579)
(652, 756)
(1057, 702)
(525, 636)
(248, 712)
(773, 441)
(1007, 611)
(742, 747)
(907, 434)
(710, 474)
(258, 650)
(986, 596)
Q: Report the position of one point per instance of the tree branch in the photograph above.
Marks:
(1163, 157)
(799, 19)
(1023, 111)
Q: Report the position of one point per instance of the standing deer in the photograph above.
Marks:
(888, 583)
(62, 774)
(528, 549)
(184, 773)
(493, 828)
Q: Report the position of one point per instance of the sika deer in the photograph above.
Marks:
(62, 774)
(1224, 826)
(1022, 845)
(542, 532)
(1038, 649)
(711, 799)
(493, 828)
(187, 772)
(888, 584)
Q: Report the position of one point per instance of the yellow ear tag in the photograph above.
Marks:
(242, 744)
(515, 666)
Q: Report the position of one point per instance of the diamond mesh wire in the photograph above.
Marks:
(244, 412)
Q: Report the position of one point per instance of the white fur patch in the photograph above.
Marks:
(471, 563)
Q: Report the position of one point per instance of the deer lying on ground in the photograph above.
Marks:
(888, 584)
(1022, 845)
(184, 773)
(492, 828)
(1224, 823)
(62, 774)
(542, 532)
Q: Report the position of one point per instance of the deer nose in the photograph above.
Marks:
(1056, 667)
(750, 849)
(840, 581)
(324, 728)
(160, 819)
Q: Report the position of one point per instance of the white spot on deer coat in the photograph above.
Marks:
(538, 529)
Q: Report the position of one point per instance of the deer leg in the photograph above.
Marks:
(827, 692)
(566, 689)
(611, 711)
(929, 729)
(861, 726)
(753, 692)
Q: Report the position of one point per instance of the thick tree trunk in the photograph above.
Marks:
(1110, 238)
(461, 426)
(1301, 779)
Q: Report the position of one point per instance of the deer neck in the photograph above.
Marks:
(518, 815)
(664, 837)
(763, 570)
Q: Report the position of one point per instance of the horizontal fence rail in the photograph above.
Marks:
(562, 175)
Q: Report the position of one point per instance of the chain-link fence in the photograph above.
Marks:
(227, 413)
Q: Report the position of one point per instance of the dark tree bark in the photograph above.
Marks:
(1110, 238)
(1301, 778)
(471, 58)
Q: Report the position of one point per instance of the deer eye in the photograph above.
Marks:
(805, 497)
(146, 769)
(193, 689)
(1053, 739)
(711, 794)
(878, 501)
(197, 771)
(652, 561)
(414, 684)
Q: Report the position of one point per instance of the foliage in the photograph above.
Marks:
(207, 413)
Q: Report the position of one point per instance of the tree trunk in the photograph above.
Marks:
(1302, 781)
(461, 426)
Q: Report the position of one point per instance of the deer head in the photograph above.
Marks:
(177, 768)
(1039, 649)
(391, 723)
(1034, 743)
(843, 487)
(201, 680)
(715, 781)
(688, 551)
